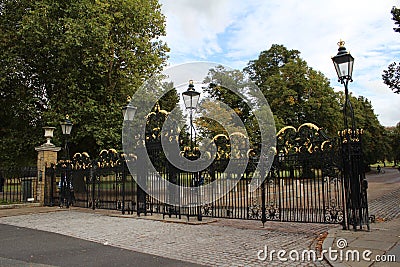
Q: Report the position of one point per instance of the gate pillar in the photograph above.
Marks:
(47, 155)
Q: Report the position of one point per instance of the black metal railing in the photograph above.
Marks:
(305, 183)
(18, 185)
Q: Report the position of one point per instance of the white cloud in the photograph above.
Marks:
(233, 32)
(193, 26)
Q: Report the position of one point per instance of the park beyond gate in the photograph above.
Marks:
(304, 184)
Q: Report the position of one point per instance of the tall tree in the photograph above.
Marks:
(393, 134)
(373, 140)
(222, 85)
(295, 92)
(391, 76)
(80, 58)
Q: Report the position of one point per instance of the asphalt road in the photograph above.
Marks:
(27, 247)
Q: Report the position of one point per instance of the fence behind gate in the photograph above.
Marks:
(17, 185)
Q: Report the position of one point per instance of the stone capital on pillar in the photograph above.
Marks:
(48, 147)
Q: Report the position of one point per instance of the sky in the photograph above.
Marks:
(233, 32)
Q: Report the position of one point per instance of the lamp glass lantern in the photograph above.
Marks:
(191, 96)
(66, 126)
(128, 112)
(343, 63)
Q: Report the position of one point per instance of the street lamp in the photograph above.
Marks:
(355, 184)
(343, 63)
(190, 99)
(66, 184)
(128, 113)
(66, 127)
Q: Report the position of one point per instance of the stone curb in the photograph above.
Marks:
(22, 205)
(154, 217)
(328, 243)
(177, 220)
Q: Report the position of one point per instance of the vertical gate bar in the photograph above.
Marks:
(344, 185)
(239, 198)
(287, 197)
(324, 196)
(87, 187)
(232, 194)
(19, 189)
(199, 215)
(241, 195)
(226, 197)
(279, 189)
(2, 183)
(123, 185)
(318, 189)
(218, 201)
(295, 199)
(114, 193)
(246, 196)
(213, 201)
(93, 179)
(317, 200)
(308, 202)
(263, 207)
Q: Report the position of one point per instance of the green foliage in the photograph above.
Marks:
(298, 94)
(295, 92)
(393, 136)
(396, 17)
(373, 139)
(222, 82)
(391, 76)
(80, 58)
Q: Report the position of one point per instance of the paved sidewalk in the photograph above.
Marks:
(383, 239)
(224, 242)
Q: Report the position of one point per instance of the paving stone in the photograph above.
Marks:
(220, 243)
(386, 206)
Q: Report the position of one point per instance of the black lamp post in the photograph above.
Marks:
(191, 98)
(128, 113)
(65, 190)
(66, 128)
(355, 185)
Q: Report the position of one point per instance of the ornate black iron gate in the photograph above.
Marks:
(305, 183)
